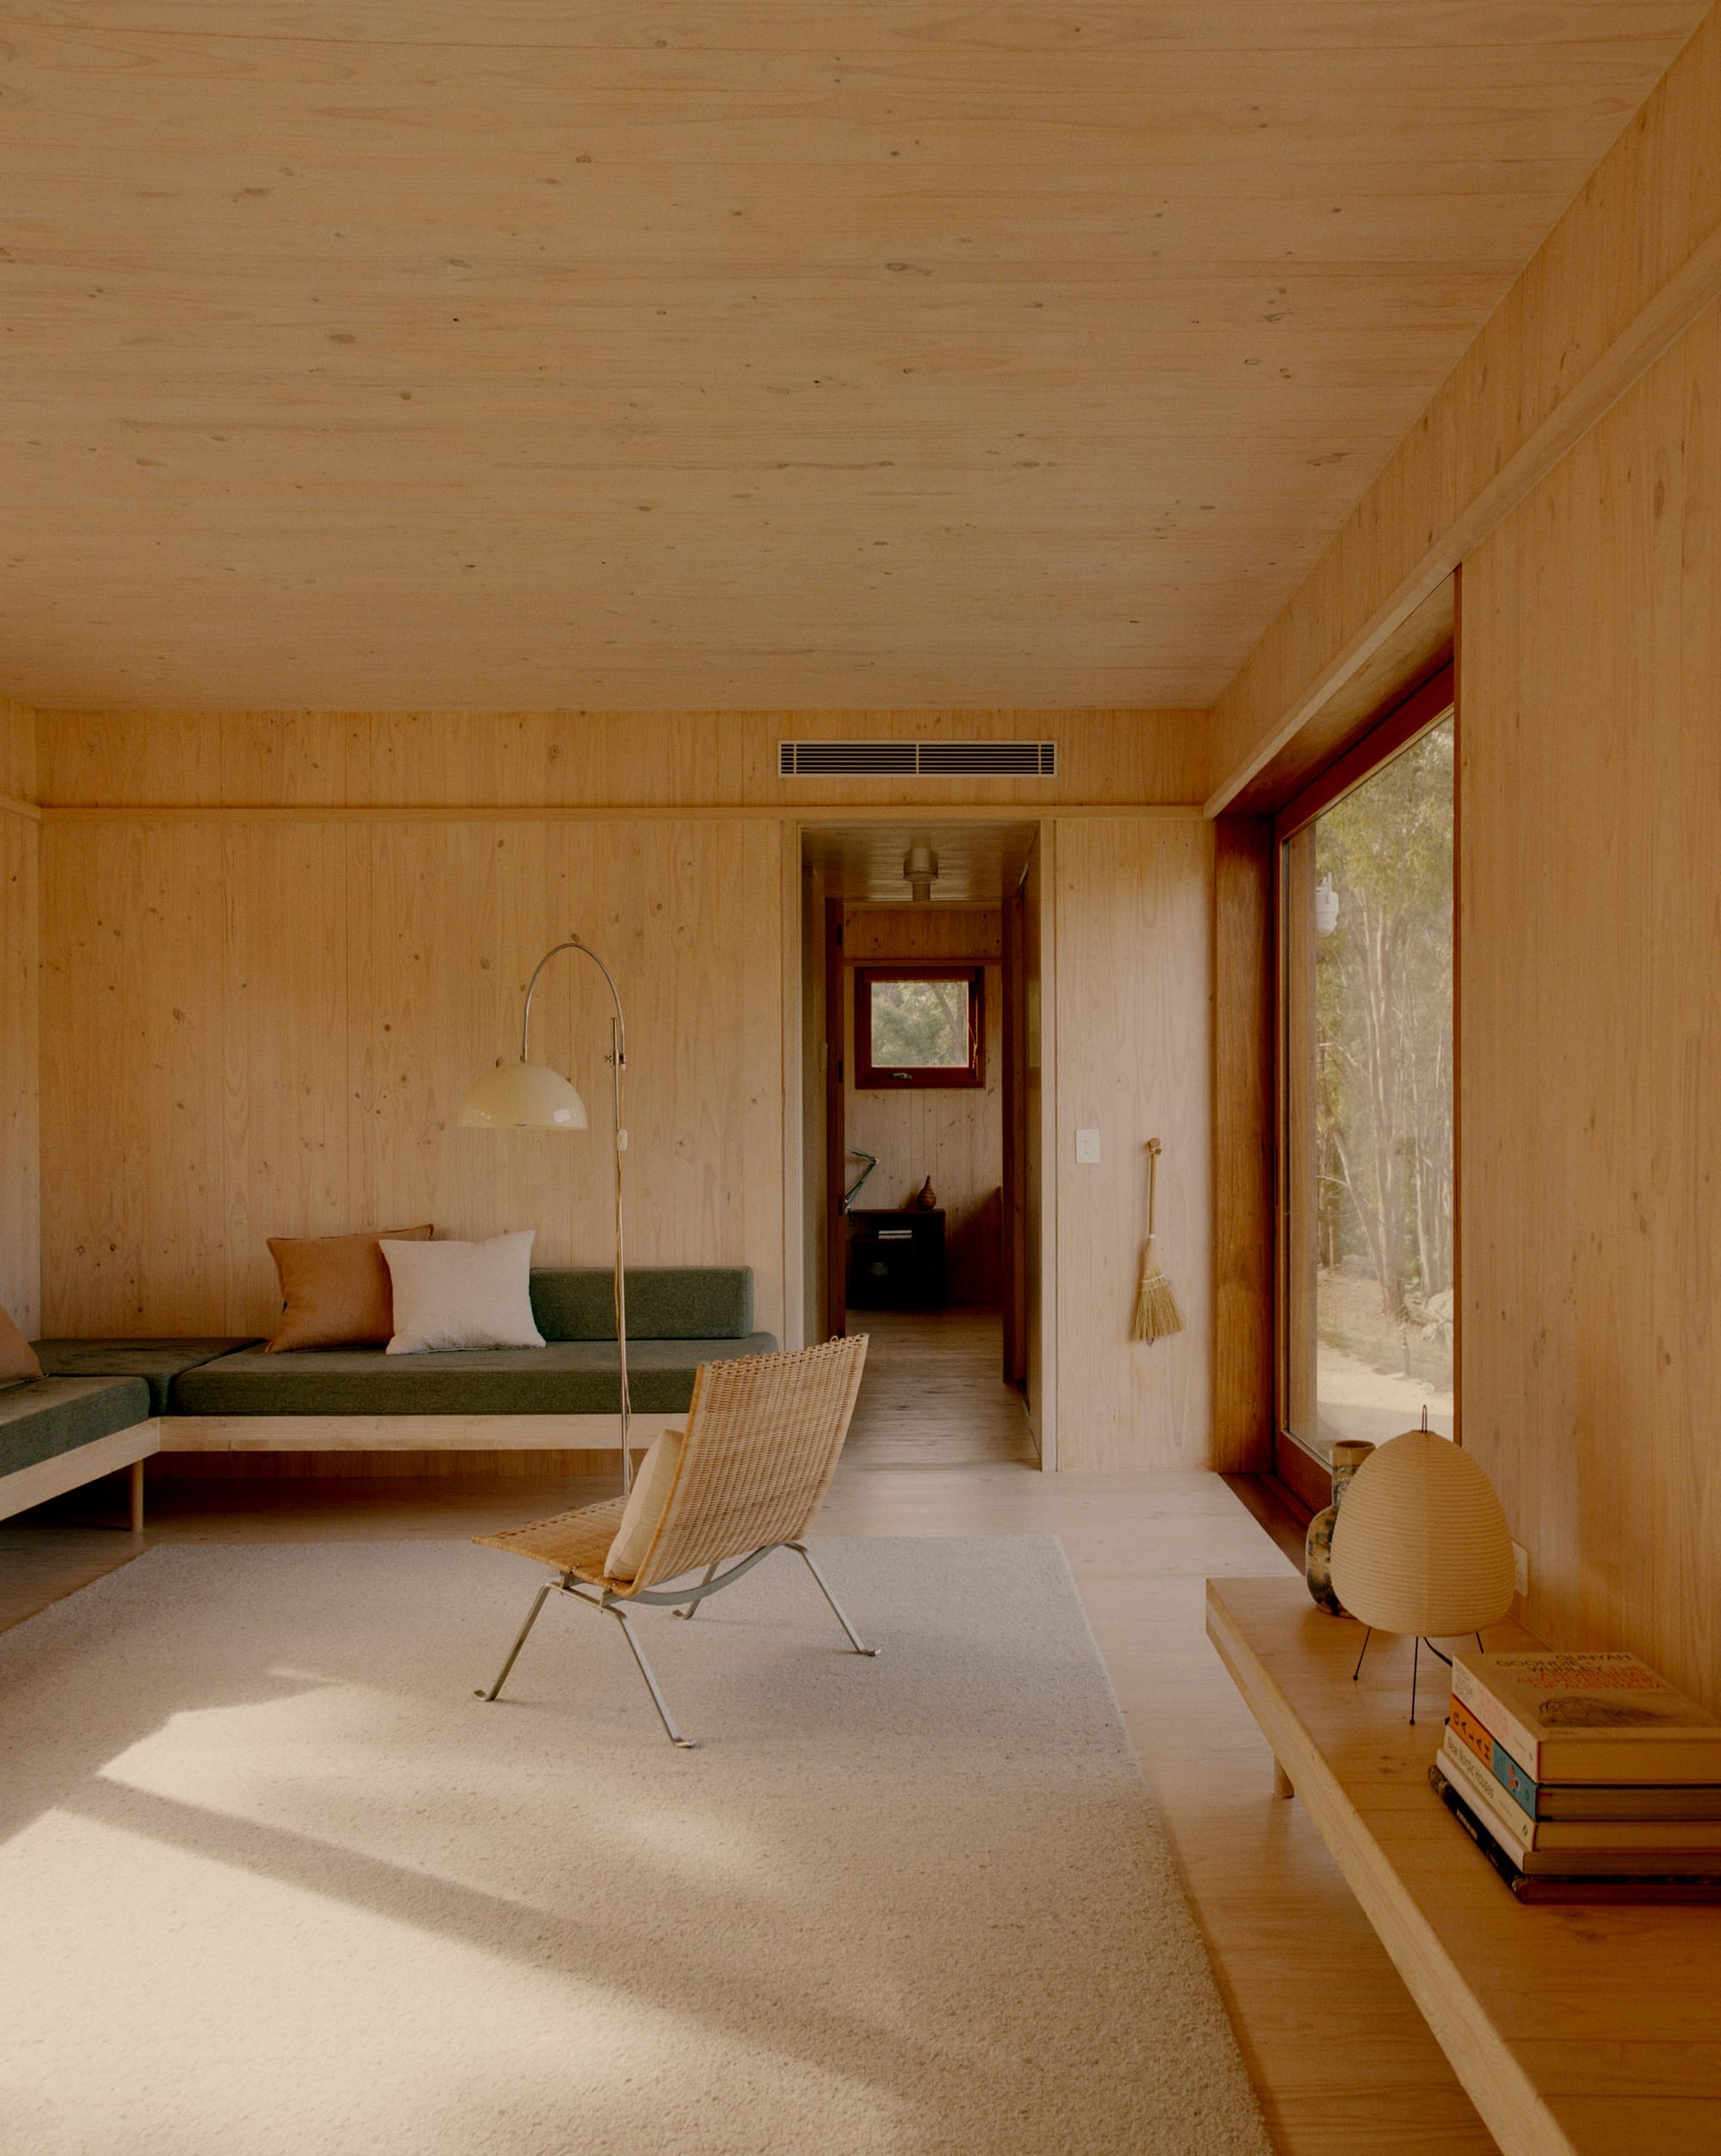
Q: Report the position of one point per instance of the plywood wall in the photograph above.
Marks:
(955, 1137)
(587, 759)
(1590, 715)
(264, 1026)
(20, 1150)
(276, 948)
(1134, 940)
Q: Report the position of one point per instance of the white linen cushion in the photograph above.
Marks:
(646, 1503)
(462, 1294)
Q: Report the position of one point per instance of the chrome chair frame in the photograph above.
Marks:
(684, 1601)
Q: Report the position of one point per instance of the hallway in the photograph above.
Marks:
(932, 1397)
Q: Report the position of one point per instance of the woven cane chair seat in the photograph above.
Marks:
(763, 1435)
(577, 1542)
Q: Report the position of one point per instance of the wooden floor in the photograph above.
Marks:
(934, 1394)
(1344, 2064)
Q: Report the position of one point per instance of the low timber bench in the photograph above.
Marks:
(1582, 2030)
(57, 1433)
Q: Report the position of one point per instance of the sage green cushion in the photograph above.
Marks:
(48, 1416)
(568, 1377)
(665, 1302)
(156, 1361)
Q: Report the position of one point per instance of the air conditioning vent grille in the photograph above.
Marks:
(917, 759)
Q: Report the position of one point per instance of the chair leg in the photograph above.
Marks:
(531, 1618)
(692, 1610)
(687, 1743)
(824, 1587)
(137, 1497)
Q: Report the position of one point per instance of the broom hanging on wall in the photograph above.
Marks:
(1155, 1307)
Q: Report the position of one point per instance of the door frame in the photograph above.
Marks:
(807, 1212)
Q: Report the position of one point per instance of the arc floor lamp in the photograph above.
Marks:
(527, 1096)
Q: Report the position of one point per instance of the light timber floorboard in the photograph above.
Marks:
(1344, 2064)
(932, 1394)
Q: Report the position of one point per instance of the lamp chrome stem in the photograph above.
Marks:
(617, 1062)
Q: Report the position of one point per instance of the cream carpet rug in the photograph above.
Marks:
(274, 1883)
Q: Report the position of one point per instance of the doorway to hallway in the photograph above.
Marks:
(922, 1000)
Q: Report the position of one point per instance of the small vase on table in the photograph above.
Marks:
(1318, 1549)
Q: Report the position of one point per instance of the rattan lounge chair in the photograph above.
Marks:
(761, 1443)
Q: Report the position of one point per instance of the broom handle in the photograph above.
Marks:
(1154, 1150)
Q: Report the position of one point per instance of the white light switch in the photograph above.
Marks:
(1087, 1148)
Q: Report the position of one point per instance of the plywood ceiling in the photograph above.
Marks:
(660, 353)
(977, 863)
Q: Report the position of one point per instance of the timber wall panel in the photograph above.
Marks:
(17, 752)
(266, 1028)
(1134, 941)
(1591, 990)
(20, 1090)
(590, 759)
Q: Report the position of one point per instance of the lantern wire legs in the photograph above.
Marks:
(1416, 1661)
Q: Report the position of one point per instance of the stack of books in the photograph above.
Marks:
(1583, 1777)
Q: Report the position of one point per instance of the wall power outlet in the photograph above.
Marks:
(1521, 1569)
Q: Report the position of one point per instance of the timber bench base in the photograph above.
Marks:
(409, 1433)
(52, 1478)
(1578, 2030)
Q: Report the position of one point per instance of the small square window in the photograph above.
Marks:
(918, 1025)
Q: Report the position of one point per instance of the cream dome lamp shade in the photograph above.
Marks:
(1420, 1543)
(521, 1096)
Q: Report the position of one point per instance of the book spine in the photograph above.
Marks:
(1521, 1788)
(1465, 1726)
(1623, 1893)
(1500, 1859)
(1494, 1755)
(1465, 1771)
(1497, 1718)
(1585, 1841)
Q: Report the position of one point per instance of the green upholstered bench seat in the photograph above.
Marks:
(665, 1302)
(48, 1416)
(566, 1377)
(156, 1361)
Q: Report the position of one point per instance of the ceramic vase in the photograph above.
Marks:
(1318, 1549)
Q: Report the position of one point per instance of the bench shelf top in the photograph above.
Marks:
(1586, 2028)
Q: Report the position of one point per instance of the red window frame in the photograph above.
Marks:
(1295, 1465)
(894, 1078)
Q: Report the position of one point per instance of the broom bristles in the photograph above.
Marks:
(1157, 1314)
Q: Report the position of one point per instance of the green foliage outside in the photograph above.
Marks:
(1383, 1047)
(920, 1024)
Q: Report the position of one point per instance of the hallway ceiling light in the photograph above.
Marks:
(920, 870)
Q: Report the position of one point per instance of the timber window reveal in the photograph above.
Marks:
(1367, 1199)
(919, 1026)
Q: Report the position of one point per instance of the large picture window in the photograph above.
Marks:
(918, 1025)
(1367, 1202)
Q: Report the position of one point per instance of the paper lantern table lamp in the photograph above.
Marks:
(1421, 1544)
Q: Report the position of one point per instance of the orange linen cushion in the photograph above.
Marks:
(17, 1357)
(336, 1289)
